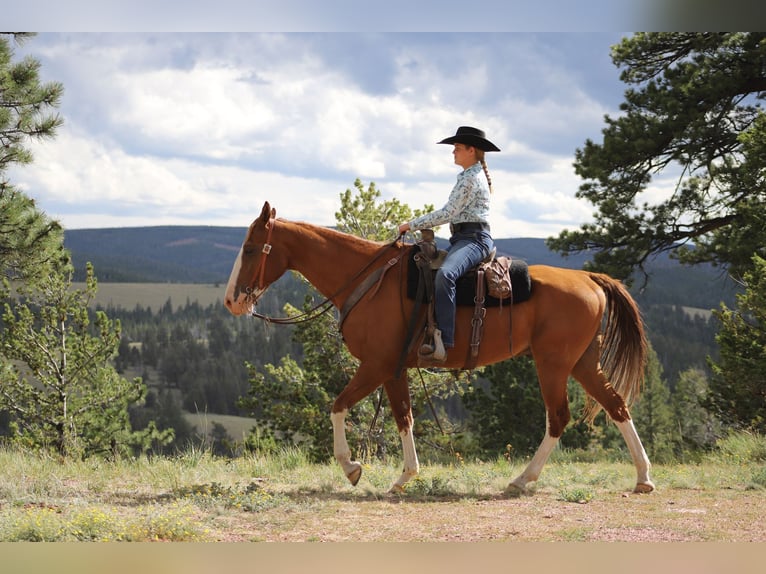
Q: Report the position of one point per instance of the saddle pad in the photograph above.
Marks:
(466, 285)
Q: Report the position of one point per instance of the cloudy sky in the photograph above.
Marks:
(202, 128)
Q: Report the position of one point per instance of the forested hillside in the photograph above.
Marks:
(205, 254)
(180, 254)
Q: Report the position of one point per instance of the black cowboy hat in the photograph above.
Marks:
(472, 137)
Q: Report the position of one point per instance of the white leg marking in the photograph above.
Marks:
(352, 469)
(411, 464)
(638, 454)
(535, 466)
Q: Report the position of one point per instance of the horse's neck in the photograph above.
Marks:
(328, 259)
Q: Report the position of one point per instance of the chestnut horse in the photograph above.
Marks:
(560, 326)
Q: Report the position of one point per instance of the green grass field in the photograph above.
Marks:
(237, 427)
(155, 295)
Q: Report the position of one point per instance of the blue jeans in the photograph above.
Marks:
(466, 251)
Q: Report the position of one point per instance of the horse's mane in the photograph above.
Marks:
(350, 241)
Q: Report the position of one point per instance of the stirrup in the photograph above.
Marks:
(436, 352)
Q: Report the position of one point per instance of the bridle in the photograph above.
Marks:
(266, 250)
(312, 313)
(320, 308)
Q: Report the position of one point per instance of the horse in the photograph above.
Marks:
(576, 323)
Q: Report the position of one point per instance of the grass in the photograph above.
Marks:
(155, 295)
(282, 497)
(238, 428)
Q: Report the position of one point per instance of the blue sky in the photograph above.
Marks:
(191, 128)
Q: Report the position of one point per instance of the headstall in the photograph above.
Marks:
(266, 250)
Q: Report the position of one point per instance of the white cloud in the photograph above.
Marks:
(202, 128)
(94, 184)
(205, 111)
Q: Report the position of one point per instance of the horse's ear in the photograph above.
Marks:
(266, 212)
(273, 213)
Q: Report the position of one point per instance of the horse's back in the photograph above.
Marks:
(560, 277)
(569, 298)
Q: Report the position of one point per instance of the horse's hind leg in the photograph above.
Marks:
(644, 484)
(399, 397)
(588, 371)
(554, 390)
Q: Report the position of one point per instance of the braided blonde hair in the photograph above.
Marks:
(480, 157)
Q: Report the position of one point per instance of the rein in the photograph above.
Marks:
(313, 313)
(323, 306)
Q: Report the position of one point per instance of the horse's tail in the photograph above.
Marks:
(623, 346)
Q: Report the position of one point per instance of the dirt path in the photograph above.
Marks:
(675, 516)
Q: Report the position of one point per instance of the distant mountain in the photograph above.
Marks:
(535, 252)
(175, 254)
(205, 254)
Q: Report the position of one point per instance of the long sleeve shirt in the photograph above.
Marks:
(468, 202)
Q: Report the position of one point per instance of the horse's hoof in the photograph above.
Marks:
(355, 475)
(643, 488)
(396, 489)
(515, 491)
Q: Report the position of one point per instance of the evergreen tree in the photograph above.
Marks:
(509, 415)
(29, 240)
(697, 428)
(364, 215)
(652, 413)
(58, 382)
(507, 412)
(294, 400)
(692, 113)
(738, 386)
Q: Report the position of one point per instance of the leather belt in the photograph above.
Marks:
(468, 226)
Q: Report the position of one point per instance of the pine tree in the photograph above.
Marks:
(509, 411)
(738, 386)
(57, 379)
(697, 427)
(29, 240)
(653, 415)
(692, 112)
(363, 214)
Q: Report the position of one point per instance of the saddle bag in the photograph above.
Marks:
(497, 277)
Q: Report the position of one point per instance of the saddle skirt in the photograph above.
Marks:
(465, 294)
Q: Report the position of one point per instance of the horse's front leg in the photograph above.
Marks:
(366, 379)
(351, 468)
(399, 396)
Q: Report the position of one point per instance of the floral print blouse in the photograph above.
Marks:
(468, 202)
